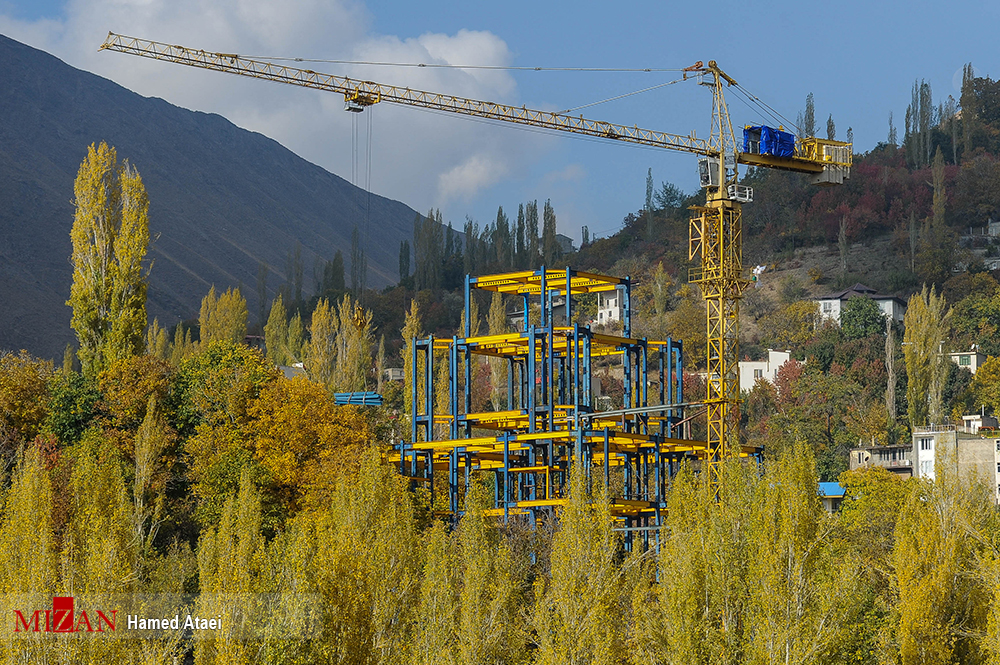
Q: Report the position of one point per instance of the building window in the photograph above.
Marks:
(758, 374)
(827, 307)
(926, 444)
(926, 468)
(965, 361)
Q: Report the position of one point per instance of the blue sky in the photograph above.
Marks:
(858, 59)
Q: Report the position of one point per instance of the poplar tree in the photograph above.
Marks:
(354, 347)
(647, 210)
(110, 237)
(296, 338)
(157, 343)
(943, 605)
(435, 641)
(321, 352)
(550, 246)
(936, 243)
(412, 329)
(579, 615)
(404, 259)
(531, 233)
(224, 317)
(831, 129)
(520, 251)
(359, 263)
(809, 117)
(927, 325)
(276, 333)
(501, 240)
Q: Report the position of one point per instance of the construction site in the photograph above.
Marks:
(549, 424)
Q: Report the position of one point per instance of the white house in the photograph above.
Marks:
(971, 360)
(830, 306)
(751, 370)
(609, 306)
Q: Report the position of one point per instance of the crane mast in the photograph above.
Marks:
(715, 229)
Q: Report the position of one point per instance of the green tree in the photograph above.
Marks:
(936, 246)
(296, 338)
(354, 346)
(157, 341)
(531, 234)
(579, 616)
(404, 260)
(986, 385)
(276, 334)
(925, 341)
(861, 317)
(550, 246)
(435, 642)
(490, 628)
(807, 120)
(647, 210)
(224, 317)
(942, 604)
(321, 352)
(791, 326)
(110, 236)
(359, 264)
(24, 396)
(412, 329)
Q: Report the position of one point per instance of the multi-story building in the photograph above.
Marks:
(897, 458)
(969, 453)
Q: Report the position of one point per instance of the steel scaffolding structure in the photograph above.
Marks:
(550, 421)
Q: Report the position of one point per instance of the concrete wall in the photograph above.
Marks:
(972, 457)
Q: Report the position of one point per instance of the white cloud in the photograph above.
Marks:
(475, 173)
(421, 158)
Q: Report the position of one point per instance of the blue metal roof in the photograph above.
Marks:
(831, 490)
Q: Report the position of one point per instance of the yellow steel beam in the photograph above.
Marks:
(366, 93)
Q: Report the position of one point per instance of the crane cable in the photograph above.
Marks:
(627, 94)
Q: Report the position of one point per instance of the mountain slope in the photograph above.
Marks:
(222, 199)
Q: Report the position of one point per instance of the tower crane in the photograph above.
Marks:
(715, 228)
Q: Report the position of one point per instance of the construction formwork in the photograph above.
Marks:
(550, 422)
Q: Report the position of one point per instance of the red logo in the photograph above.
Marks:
(63, 619)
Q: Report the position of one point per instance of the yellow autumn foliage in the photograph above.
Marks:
(303, 438)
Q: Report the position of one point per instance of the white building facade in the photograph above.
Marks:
(752, 370)
(970, 360)
(831, 306)
(972, 456)
(609, 306)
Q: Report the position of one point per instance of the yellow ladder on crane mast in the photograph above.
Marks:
(715, 228)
